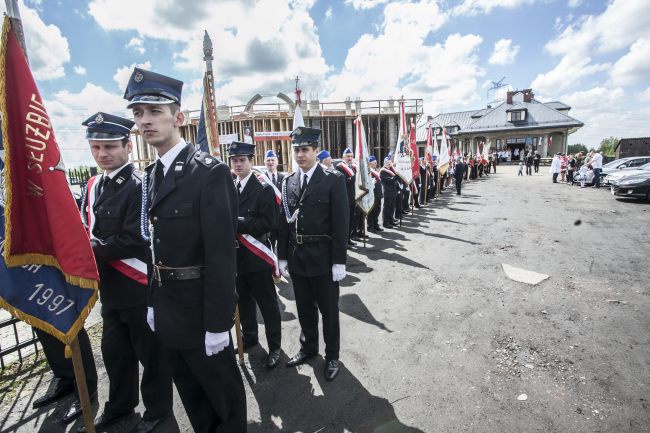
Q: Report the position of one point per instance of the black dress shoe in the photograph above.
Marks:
(332, 369)
(74, 411)
(147, 426)
(300, 358)
(60, 389)
(105, 420)
(379, 229)
(273, 358)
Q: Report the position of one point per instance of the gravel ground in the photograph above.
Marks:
(436, 338)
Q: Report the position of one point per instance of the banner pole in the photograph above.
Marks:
(238, 337)
(401, 205)
(365, 222)
(80, 378)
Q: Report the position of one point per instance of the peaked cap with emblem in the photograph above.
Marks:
(240, 148)
(146, 87)
(107, 127)
(305, 136)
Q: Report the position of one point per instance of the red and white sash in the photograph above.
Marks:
(390, 172)
(260, 250)
(132, 268)
(344, 167)
(375, 175)
(265, 179)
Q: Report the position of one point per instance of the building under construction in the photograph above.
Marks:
(268, 121)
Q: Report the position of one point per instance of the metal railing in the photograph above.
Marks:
(23, 341)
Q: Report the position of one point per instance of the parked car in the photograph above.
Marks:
(637, 185)
(624, 164)
(628, 171)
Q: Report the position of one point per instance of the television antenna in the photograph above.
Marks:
(493, 95)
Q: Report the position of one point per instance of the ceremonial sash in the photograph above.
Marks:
(260, 250)
(269, 181)
(344, 167)
(375, 175)
(132, 268)
(387, 170)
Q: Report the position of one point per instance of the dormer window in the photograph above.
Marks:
(516, 115)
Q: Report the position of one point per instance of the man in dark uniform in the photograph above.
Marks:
(274, 178)
(255, 259)
(373, 217)
(389, 182)
(312, 247)
(424, 178)
(349, 173)
(63, 382)
(111, 211)
(191, 205)
(459, 173)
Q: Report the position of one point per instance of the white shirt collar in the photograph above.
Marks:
(168, 158)
(244, 181)
(309, 173)
(113, 173)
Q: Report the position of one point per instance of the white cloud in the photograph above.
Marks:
(566, 74)
(645, 95)
(504, 52)
(365, 4)
(80, 70)
(328, 13)
(123, 74)
(621, 24)
(47, 48)
(475, 7)
(137, 45)
(67, 110)
(634, 66)
(574, 3)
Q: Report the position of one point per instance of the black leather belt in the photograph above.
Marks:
(165, 273)
(310, 239)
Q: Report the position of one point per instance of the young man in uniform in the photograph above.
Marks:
(390, 183)
(190, 203)
(258, 214)
(312, 247)
(111, 210)
(373, 217)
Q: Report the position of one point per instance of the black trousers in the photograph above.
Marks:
(62, 368)
(536, 165)
(127, 339)
(210, 388)
(406, 196)
(459, 182)
(388, 213)
(555, 177)
(353, 218)
(258, 288)
(314, 294)
(373, 216)
(529, 170)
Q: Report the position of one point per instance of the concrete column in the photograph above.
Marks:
(349, 142)
(392, 132)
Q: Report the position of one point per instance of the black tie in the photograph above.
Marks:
(275, 182)
(303, 186)
(238, 188)
(100, 187)
(159, 176)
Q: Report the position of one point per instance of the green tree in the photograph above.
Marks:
(578, 147)
(608, 146)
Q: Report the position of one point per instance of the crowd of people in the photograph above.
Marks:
(572, 168)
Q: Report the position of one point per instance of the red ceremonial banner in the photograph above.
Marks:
(415, 162)
(43, 224)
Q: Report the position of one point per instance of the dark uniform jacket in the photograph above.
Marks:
(117, 226)
(349, 181)
(194, 216)
(377, 189)
(279, 176)
(257, 216)
(323, 211)
(389, 182)
(459, 171)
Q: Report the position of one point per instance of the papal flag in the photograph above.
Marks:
(443, 164)
(48, 275)
(402, 151)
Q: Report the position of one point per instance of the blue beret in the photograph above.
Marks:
(305, 136)
(240, 148)
(107, 127)
(323, 154)
(146, 87)
(372, 158)
(347, 150)
(434, 157)
(270, 154)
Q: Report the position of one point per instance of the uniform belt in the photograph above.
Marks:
(166, 273)
(310, 239)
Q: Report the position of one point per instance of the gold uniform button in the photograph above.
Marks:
(155, 219)
(157, 241)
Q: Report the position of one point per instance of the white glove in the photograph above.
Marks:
(150, 321)
(338, 272)
(284, 268)
(215, 342)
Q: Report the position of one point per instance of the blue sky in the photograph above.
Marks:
(591, 55)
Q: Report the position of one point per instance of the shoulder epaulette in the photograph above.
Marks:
(205, 159)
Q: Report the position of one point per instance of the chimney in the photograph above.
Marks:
(528, 95)
(509, 97)
(429, 118)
